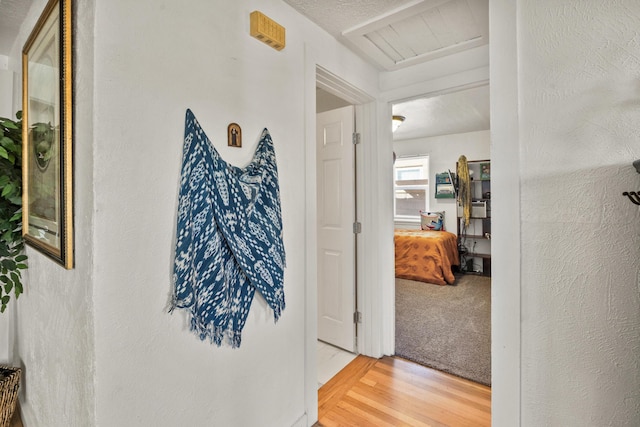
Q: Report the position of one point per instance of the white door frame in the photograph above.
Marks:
(372, 186)
(369, 337)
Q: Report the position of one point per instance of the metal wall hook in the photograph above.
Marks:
(633, 196)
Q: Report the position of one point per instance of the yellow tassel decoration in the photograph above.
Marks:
(464, 190)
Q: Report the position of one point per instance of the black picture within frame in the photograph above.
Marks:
(47, 134)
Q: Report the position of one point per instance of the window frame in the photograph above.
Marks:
(419, 162)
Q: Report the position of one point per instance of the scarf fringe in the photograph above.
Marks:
(277, 311)
(218, 334)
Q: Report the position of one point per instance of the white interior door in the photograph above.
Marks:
(336, 215)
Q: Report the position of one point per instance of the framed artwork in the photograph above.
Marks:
(485, 170)
(47, 135)
(444, 186)
(234, 135)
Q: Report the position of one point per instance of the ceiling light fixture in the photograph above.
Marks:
(396, 122)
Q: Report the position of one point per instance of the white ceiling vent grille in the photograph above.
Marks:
(422, 31)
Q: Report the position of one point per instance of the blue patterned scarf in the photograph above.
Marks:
(229, 237)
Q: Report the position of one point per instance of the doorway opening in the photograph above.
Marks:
(342, 115)
(336, 227)
(337, 216)
(443, 312)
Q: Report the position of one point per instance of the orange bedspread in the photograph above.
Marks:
(426, 256)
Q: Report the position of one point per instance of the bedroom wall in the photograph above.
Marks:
(579, 114)
(97, 343)
(444, 152)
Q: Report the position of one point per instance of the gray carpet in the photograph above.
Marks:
(446, 327)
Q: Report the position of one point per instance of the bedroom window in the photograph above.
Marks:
(411, 185)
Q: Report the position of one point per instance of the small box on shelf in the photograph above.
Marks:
(478, 209)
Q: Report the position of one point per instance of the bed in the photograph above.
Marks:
(426, 256)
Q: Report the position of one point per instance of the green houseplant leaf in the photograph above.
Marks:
(12, 258)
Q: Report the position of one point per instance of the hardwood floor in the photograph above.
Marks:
(395, 392)
(16, 421)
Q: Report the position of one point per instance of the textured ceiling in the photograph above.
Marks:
(336, 16)
(394, 34)
(12, 14)
(456, 112)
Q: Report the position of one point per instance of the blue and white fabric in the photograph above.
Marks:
(229, 237)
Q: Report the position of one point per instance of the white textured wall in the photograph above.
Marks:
(580, 130)
(6, 92)
(444, 152)
(54, 317)
(153, 60)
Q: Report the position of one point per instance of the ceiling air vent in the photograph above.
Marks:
(422, 31)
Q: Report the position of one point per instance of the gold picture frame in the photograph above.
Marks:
(47, 135)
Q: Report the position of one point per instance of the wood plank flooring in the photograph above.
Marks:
(16, 421)
(395, 392)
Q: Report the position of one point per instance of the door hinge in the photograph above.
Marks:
(356, 138)
(357, 317)
(357, 228)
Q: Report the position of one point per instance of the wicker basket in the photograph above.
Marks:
(9, 383)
